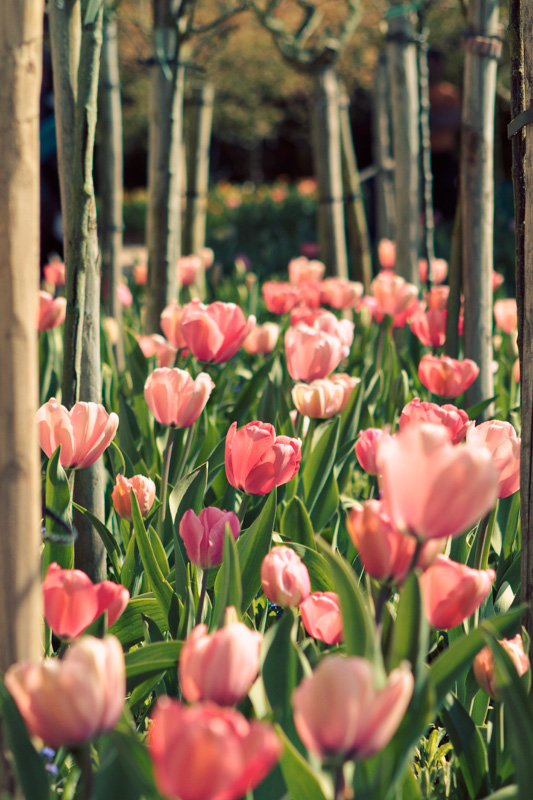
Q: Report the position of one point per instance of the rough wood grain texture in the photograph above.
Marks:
(198, 127)
(21, 27)
(382, 150)
(477, 198)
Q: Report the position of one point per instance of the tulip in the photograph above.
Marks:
(301, 270)
(429, 327)
(437, 298)
(262, 339)
(140, 274)
(204, 752)
(393, 295)
(312, 354)
(366, 448)
(348, 385)
(203, 535)
(386, 253)
(280, 297)
(446, 376)
(497, 280)
(72, 601)
(174, 398)
(220, 666)
(453, 419)
(504, 445)
(516, 370)
(319, 399)
(69, 701)
(340, 292)
(506, 315)
(51, 311)
(84, 432)
(207, 254)
(432, 488)
(124, 295)
(452, 592)
(144, 489)
(156, 345)
(484, 669)
(54, 272)
(284, 577)
(257, 459)
(339, 710)
(170, 322)
(321, 616)
(188, 269)
(437, 273)
(214, 332)
(343, 329)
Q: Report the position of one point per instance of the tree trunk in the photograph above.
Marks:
(328, 170)
(163, 230)
(477, 194)
(384, 182)
(355, 208)
(21, 31)
(111, 177)
(425, 144)
(403, 72)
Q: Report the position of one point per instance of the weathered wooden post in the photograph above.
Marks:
(382, 151)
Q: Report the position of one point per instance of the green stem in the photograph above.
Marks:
(188, 442)
(82, 755)
(164, 479)
(384, 592)
(244, 505)
(483, 541)
(201, 599)
(297, 423)
(340, 785)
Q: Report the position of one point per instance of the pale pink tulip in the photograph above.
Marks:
(54, 272)
(393, 295)
(446, 376)
(437, 273)
(301, 270)
(203, 535)
(500, 439)
(284, 577)
(343, 329)
(84, 432)
(506, 315)
(497, 280)
(124, 295)
(484, 668)
(188, 269)
(348, 384)
(429, 327)
(340, 293)
(174, 398)
(312, 354)
(141, 486)
(321, 616)
(170, 322)
(262, 339)
(454, 419)
(207, 254)
(452, 591)
(257, 460)
(214, 332)
(51, 311)
(366, 448)
(155, 345)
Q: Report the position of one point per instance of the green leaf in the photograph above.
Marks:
(188, 493)
(228, 586)
(148, 661)
(468, 747)
(349, 418)
(29, 767)
(317, 568)
(129, 627)
(110, 543)
(93, 7)
(301, 780)
(327, 504)
(511, 529)
(319, 461)
(138, 365)
(253, 545)
(477, 409)
(410, 633)
(296, 524)
(57, 498)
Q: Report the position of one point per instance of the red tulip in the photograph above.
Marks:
(454, 419)
(214, 332)
(51, 311)
(284, 577)
(437, 298)
(84, 432)
(484, 669)
(174, 398)
(140, 274)
(280, 297)
(446, 376)
(144, 489)
(257, 459)
(321, 616)
(452, 591)
(504, 445)
(203, 535)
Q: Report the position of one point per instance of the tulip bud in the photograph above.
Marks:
(284, 577)
(175, 398)
(321, 616)
(452, 591)
(366, 448)
(144, 489)
(203, 535)
(484, 664)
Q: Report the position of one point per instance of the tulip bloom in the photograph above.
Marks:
(301, 270)
(204, 752)
(506, 315)
(504, 445)
(262, 339)
(446, 376)
(312, 354)
(220, 666)
(214, 332)
(429, 327)
(72, 601)
(393, 295)
(84, 432)
(257, 459)
(54, 272)
(437, 298)
(280, 297)
(366, 448)
(348, 384)
(386, 253)
(340, 292)
(156, 345)
(452, 592)
(454, 419)
(319, 399)
(484, 664)
(140, 274)
(188, 269)
(284, 577)
(51, 311)
(343, 329)
(170, 322)
(174, 398)
(339, 710)
(71, 700)
(144, 489)
(203, 535)
(437, 273)
(432, 488)
(124, 295)
(321, 616)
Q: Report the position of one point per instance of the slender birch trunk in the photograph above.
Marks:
(384, 182)
(327, 159)
(21, 32)
(403, 73)
(477, 194)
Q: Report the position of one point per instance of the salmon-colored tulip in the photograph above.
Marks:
(262, 339)
(188, 269)
(484, 668)
(387, 253)
(284, 577)
(214, 332)
(366, 448)
(257, 459)
(140, 274)
(54, 272)
(204, 752)
(504, 445)
(506, 315)
(220, 666)
(432, 488)
(446, 376)
(170, 322)
(156, 345)
(203, 535)
(174, 398)
(280, 297)
(84, 432)
(429, 327)
(437, 298)
(312, 354)
(302, 269)
(393, 295)
(340, 711)
(51, 313)
(437, 273)
(497, 280)
(454, 419)
(71, 700)
(340, 293)
(321, 616)
(452, 591)
(144, 489)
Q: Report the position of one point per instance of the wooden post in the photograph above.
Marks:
(403, 73)
(199, 122)
(384, 182)
(477, 191)
(21, 32)
(425, 147)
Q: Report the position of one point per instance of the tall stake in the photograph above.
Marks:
(381, 140)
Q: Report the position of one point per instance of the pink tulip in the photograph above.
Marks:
(203, 535)
(262, 339)
(51, 311)
(280, 297)
(437, 298)
(170, 322)
(320, 399)
(432, 488)
(257, 459)
(188, 269)
(340, 293)
(339, 710)
(343, 329)
(71, 700)
(143, 488)
(156, 345)
(429, 327)
(124, 295)
(497, 280)
(366, 448)
(452, 592)
(386, 253)
(54, 272)
(437, 273)
(506, 315)
(454, 419)
(207, 254)
(504, 446)
(348, 384)
(301, 269)
(516, 370)
(140, 274)
(214, 332)
(484, 668)
(321, 616)
(446, 376)
(393, 295)
(284, 577)
(385, 552)
(204, 752)
(84, 432)
(220, 666)
(312, 354)
(174, 398)
(72, 601)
